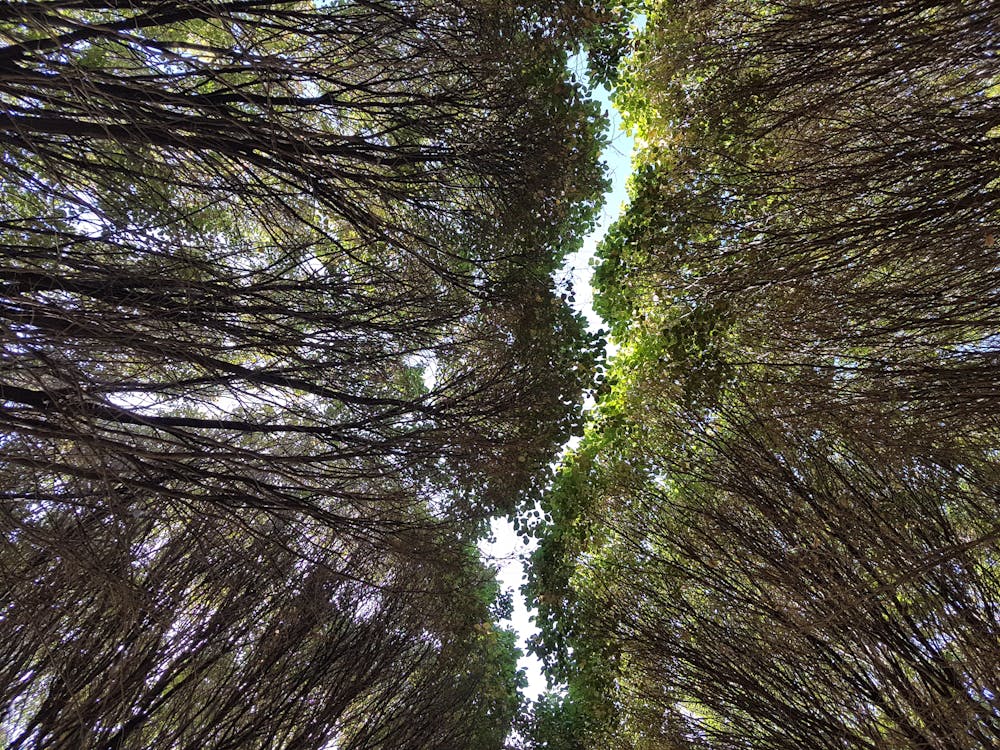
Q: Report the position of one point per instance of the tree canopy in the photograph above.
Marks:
(780, 531)
(280, 333)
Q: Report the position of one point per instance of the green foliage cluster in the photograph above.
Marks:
(779, 531)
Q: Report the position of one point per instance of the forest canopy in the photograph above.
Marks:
(282, 335)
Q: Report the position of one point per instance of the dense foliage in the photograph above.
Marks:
(780, 531)
(279, 334)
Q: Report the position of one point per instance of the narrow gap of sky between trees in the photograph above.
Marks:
(505, 549)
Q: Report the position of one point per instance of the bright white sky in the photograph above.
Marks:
(508, 552)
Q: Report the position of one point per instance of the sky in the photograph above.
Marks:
(508, 552)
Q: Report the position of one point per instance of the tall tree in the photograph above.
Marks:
(280, 333)
(781, 530)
